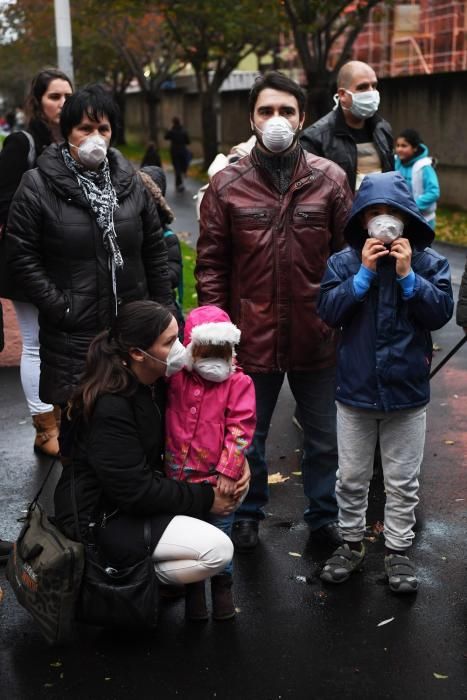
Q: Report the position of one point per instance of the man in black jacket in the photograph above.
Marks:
(353, 135)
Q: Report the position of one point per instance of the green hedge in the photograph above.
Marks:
(190, 298)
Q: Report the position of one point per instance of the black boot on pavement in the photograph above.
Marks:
(5, 551)
(195, 602)
(245, 535)
(328, 534)
(223, 607)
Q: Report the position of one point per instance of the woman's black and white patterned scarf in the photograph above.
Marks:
(100, 193)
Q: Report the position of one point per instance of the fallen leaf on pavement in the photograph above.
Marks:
(297, 473)
(295, 554)
(277, 478)
(56, 664)
(1, 595)
(440, 676)
(385, 622)
(449, 442)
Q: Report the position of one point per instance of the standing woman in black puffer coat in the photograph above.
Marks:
(83, 238)
(48, 92)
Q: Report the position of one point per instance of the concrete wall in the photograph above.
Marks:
(435, 105)
(234, 121)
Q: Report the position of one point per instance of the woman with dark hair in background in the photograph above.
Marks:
(116, 461)
(48, 92)
(83, 238)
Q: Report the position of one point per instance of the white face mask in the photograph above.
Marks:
(385, 228)
(176, 359)
(364, 104)
(91, 152)
(277, 135)
(213, 369)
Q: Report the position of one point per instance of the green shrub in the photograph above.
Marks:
(190, 298)
(451, 226)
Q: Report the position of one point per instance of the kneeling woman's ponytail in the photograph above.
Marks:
(138, 325)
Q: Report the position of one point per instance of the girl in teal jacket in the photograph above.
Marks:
(416, 166)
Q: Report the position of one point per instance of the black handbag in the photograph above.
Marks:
(117, 598)
(44, 571)
(125, 597)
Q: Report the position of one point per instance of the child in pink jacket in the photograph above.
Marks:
(210, 421)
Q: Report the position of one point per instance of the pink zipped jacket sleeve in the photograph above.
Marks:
(240, 424)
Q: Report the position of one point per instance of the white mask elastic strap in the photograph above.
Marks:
(152, 357)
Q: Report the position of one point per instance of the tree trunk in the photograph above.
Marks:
(152, 103)
(209, 127)
(120, 99)
(319, 96)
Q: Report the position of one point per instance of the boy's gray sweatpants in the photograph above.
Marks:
(402, 439)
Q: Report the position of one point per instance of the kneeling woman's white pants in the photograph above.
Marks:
(191, 550)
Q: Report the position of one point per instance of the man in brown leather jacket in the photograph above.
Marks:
(268, 225)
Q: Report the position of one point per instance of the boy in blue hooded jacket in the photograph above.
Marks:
(386, 292)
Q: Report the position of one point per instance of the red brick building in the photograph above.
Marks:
(411, 38)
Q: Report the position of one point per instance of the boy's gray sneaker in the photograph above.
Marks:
(342, 563)
(401, 573)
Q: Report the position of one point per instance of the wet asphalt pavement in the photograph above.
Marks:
(293, 637)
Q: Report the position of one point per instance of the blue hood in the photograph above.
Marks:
(387, 188)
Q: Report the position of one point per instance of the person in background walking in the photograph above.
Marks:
(386, 292)
(416, 167)
(210, 421)
(84, 238)
(179, 154)
(353, 134)
(48, 92)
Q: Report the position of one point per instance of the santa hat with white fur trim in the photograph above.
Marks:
(210, 325)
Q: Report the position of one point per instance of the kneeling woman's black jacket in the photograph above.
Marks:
(117, 462)
(57, 254)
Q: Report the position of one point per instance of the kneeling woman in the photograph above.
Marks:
(116, 456)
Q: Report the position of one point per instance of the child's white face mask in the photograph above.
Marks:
(385, 228)
(213, 369)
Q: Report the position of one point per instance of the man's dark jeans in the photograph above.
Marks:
(314, 393)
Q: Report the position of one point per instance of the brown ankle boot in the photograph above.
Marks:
(222, 602)
(46, 434)
(195, 602)
(58, 416)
